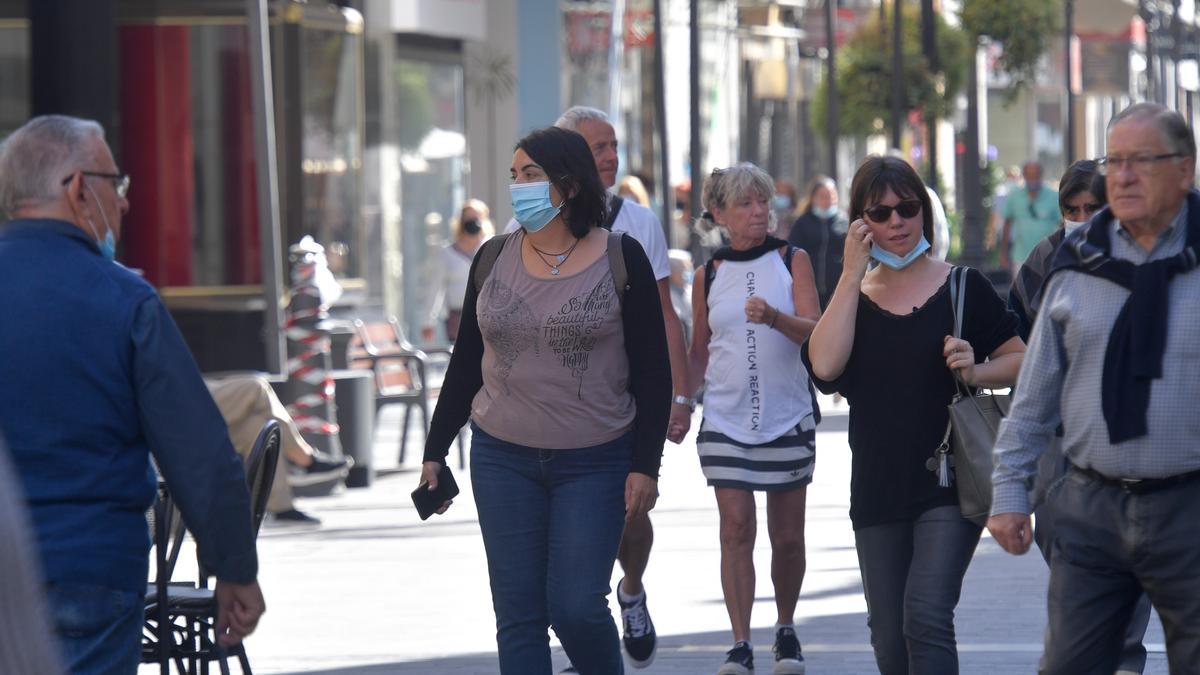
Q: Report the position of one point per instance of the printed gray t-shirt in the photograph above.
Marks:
(555, 372)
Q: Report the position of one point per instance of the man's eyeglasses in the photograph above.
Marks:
(1139, 164)
(880, 213)
(1085, 210)
(120, 181)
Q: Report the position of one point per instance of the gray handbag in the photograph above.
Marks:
(971, 431)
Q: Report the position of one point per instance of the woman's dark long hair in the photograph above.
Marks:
(876, 175)
(1082, 176)
(567, 160)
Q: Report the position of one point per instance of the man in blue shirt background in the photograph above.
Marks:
(95, 376)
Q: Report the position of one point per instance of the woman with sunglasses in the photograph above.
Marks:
(884, 344)
(1081, 193)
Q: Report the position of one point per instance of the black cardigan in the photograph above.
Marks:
(645, 345)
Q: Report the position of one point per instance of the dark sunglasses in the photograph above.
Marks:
(1085, 210)
(880, 213)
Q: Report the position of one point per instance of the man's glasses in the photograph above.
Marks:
(1085, 210)
(1139, 164)
(880, 213)
(120, 181)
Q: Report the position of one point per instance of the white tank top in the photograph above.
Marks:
(755, 387)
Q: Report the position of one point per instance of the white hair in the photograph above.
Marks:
(725, 187)
(36, 158)
(573, 117)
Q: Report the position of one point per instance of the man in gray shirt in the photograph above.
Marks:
(1119, 327)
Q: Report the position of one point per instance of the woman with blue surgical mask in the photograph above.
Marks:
(821, 232)
(883, 344)
(567, 387)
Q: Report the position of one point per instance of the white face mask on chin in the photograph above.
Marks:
(1072, 225)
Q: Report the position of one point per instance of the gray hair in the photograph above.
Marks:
(729, 186)
(1174, 128)
(573, 117)
(35, 158)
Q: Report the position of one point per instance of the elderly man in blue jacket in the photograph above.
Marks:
(94, 377)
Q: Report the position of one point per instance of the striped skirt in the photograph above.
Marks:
(785, 463)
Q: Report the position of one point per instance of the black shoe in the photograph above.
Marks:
(295, 517)
(788, 659)
(639, 638)
(324, 467)
(739, 660)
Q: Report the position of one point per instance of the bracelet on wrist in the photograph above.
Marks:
(685, 400)
(774, 318)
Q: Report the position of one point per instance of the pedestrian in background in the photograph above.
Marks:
(754, 302)
(567, 384)
(1030, 215)
(631, 188)
(471, 228)
(883, 344)
(821, 232)
(1118, 327)
(1081, 193)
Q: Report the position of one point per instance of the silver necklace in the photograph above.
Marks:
(559, 258)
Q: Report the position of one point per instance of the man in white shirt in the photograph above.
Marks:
(639, 222)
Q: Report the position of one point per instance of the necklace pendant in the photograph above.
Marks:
(554, 271)
(561, 259)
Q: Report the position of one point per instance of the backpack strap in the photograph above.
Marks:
(614, 208)
(616, 260)
(787, 258)
(487, 259)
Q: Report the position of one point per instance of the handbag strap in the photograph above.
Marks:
(958, 294)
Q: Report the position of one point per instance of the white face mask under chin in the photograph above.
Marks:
(1072, 225)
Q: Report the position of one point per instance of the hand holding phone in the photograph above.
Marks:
(444, 489)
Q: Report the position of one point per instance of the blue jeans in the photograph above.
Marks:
(912, 574)
(99, 628)
(551, 523)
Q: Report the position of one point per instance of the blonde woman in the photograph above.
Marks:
(472, 227)
(753, 304)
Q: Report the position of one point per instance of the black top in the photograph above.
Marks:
(898, 387)
(645, 345)
(824, 239)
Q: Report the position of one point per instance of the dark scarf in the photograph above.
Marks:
(1139, 337)
(728, 253)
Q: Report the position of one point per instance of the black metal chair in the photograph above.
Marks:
(183, 629)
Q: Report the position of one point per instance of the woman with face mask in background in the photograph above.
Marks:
(1081, 193)
(883, 343)
(821, 232)
(449, 279)
(567, 385)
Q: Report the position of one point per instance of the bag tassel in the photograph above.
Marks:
(943, 469)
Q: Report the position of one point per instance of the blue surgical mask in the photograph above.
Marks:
(782, 202)
(896, 262)
(107, 245)
(532, 206)
(825, 213)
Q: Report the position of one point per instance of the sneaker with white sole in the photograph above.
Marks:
(788, 659)
(739, 660)
(639, 638)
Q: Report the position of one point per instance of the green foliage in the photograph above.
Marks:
(864, 75)
(1023, 27)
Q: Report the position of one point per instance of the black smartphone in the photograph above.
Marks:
(429, 501)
